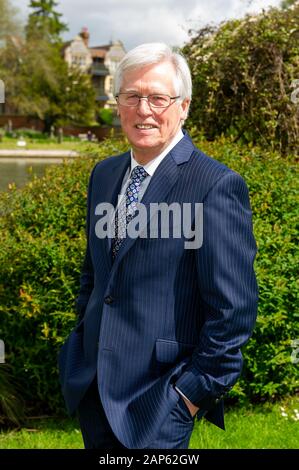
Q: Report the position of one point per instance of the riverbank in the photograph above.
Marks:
(11, 145)
(38, 153)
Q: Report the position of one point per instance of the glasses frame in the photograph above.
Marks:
(145, 97)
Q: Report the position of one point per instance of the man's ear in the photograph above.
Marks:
(185, 108)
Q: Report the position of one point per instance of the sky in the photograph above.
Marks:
(137, 21)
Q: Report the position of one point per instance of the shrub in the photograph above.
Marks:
(106, 116)
(245, 79)
(11, 403)
(30, 134)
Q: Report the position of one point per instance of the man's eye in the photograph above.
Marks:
(132, 96)
(159, 99)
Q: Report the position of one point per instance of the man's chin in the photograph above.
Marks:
(146, 152)
(146, 145)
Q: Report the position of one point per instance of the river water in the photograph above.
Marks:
(17, 170)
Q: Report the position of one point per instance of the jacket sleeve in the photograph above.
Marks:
(87, 272)
(228, 292)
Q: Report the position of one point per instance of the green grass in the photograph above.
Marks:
(11, 144)
(254, 427)
(44, 434)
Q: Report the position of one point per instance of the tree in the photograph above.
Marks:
(9, 23)
(51, 90)
(44, 22)
(11, 30)
(39, 83)
(244, 79)
(288, 3)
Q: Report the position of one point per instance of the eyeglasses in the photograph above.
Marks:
(154, 100)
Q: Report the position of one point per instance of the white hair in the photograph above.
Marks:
(154, 53)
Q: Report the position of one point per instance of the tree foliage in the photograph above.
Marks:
(9, 22)
(287, 3)
(45, 22)
(244, 74)
(39, 82)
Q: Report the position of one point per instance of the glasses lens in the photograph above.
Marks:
(132, 99)
(159, 101)
(128, 99)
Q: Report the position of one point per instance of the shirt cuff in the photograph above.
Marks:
(181, 393)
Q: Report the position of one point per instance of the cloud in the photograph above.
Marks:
(137, 21)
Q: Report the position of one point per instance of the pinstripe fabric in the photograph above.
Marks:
(175, 432)
(162, 315)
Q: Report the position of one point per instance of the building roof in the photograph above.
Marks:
(98, 53)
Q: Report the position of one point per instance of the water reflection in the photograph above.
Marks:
(16, 170)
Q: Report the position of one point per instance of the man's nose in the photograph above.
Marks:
(144, 106)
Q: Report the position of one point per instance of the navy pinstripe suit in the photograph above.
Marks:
(162, 315)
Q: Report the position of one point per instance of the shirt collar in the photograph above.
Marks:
(151, 166)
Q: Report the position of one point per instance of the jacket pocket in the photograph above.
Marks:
(169, 353)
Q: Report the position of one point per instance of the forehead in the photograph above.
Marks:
(161, 77)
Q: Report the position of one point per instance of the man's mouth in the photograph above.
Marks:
(145, 126)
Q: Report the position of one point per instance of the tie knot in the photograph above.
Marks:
(138, 173)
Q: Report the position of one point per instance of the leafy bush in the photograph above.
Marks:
(106, 116)
(11, 403)
(30, 134)
(41, 253)
(245, 78)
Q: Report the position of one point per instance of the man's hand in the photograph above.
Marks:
(192, 408)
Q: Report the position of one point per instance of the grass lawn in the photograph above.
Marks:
(11, 144)
(255, 427)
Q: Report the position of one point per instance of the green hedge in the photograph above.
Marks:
(41, 253)
(245, 75)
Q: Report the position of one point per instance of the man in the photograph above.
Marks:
(161, 323)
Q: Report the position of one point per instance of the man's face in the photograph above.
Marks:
(162, 123)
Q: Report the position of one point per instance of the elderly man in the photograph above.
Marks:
(161, 322)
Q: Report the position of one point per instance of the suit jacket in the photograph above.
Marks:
(162, 315)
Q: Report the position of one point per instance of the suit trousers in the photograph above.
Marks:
(96, 431)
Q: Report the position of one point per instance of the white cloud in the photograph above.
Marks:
(137, 21)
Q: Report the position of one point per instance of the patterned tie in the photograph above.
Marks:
(126, 211)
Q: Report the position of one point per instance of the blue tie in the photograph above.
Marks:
(126, 211)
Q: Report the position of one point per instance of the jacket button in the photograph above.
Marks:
(108, 299)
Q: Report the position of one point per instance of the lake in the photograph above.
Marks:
(16, 170)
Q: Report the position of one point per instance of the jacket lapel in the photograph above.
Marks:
(116, 175)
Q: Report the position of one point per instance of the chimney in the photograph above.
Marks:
(85, 35)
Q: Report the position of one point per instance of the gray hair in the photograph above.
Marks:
(154, 53)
